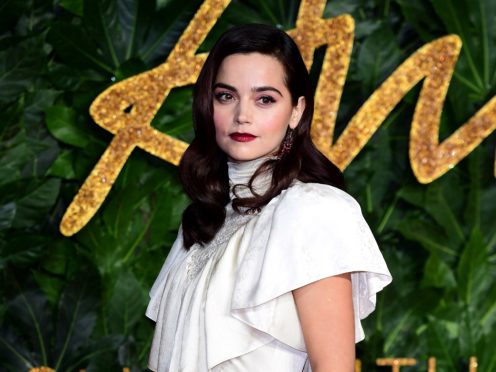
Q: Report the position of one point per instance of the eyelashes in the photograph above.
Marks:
(225, 97)
(266, 99)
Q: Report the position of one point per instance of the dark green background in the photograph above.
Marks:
(79, 302)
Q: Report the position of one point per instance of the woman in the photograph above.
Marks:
(273, 266)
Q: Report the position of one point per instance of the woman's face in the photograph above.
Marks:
(252, 106)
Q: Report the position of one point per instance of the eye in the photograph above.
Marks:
(223, 96)
(266, 100)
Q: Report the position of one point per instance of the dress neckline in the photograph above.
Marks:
(240, 174)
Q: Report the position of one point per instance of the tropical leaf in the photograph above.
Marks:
(61, 122)
(76, 317)
(43, 341)
(74, 6)
(63, 166)
(97, 355)
(379, 55)
(102, 21)
(164, 29)
(340, 7)
(22, 251)
(442, 343)
(487, 309)
(37, 203)
(7, 215)
(438, 274)
(10, 12)
(126, 305)
(19, 66)
(472, 269)
(73, 47)
(30, 314)
(430, 236)
(423, 18)
(455, 14)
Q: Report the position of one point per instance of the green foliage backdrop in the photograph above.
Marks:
(79, 302)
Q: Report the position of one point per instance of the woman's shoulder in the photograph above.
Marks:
(311, 197)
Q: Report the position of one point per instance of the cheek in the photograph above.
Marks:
(221, 118)
(277, 120)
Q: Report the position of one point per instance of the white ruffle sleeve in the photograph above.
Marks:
(176, 253)
(310, 232)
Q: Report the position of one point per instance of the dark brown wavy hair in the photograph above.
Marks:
(203, 167)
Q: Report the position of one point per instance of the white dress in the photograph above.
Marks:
(229, 306)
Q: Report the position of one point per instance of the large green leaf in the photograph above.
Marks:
(379, 55)
(174, 116)
(63, 166)
(438, 274)
(19, 65)
(485, 352)
(164, 29)
(7, 215)
(126, 305)
(470, 332)
(22, 251)
(54, 267)
(14, 355)
(30, 316)
(62, 124)
(487, 310)
(439, 200)
(488, 195)
(35, 205)
(72, 45)
(473, 271)
(340, 7)
(76, 316)
(442, 210)
(74, 6)
(97, 355)
(10, 12)
(472, 21)
(102, 22)
(421, 15)
(23, 158)
(442, 343)
(428, 235)
(34, 337)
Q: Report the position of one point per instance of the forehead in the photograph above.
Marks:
(251, 69)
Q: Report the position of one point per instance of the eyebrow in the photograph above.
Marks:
(254, 89)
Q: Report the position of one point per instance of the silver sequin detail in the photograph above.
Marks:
(199, 255)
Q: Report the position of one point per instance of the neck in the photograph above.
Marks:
(240, 174)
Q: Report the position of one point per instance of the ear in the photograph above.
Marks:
(297, 112)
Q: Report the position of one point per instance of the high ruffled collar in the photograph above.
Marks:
(240, 174)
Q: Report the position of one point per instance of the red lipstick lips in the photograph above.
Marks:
(242, 137)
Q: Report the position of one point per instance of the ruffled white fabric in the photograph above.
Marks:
(229, 306)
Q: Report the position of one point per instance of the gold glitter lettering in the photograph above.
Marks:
(472, 364)
(431, 364)
(358, 365)
(396, 363)
(312, 32)
(430, 160)
(127, 108)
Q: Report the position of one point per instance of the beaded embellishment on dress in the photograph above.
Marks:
(239, 176)
(200, 255)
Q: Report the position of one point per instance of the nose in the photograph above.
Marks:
(243, 112)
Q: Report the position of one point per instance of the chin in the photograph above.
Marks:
(241, 158)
